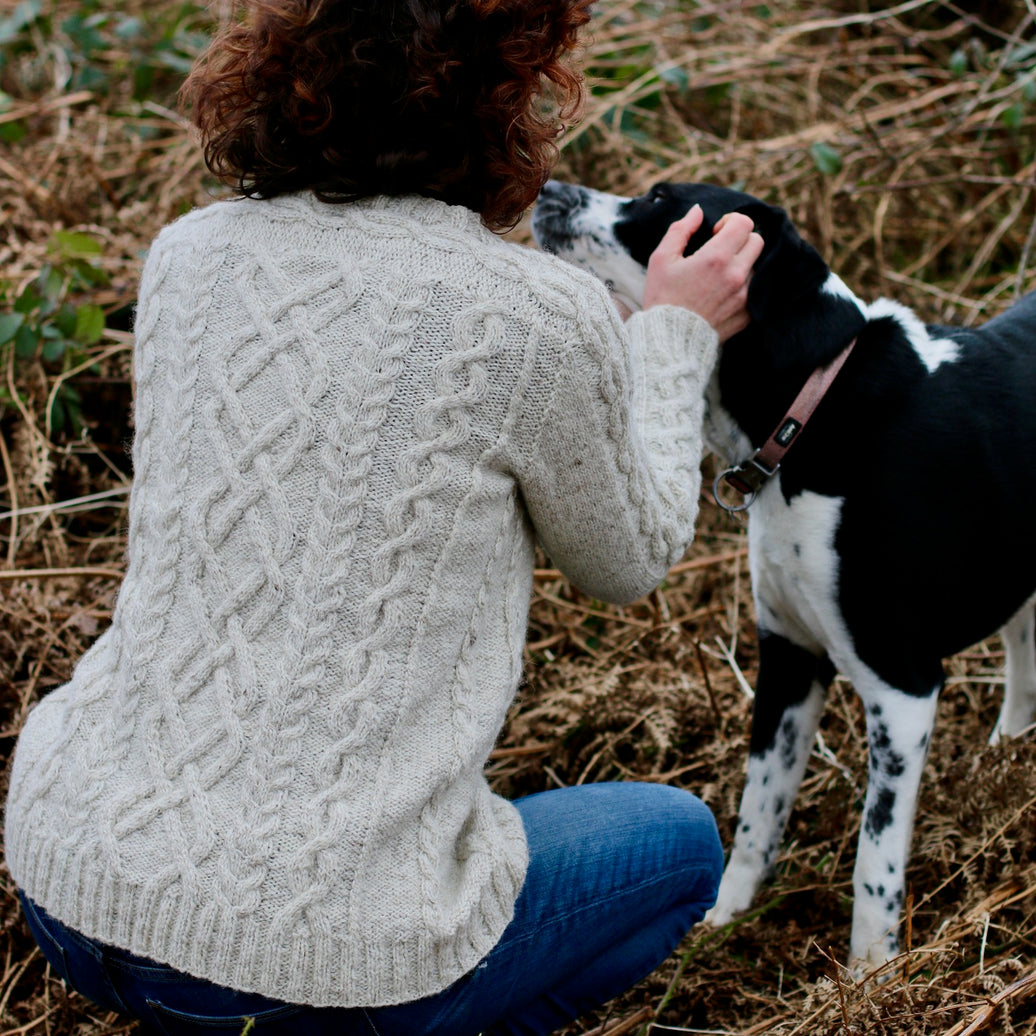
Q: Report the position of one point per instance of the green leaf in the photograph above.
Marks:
(826, 158)
(9, 324)
(89, 324)
(83, 33)
(71, 244)
(1014, 116)
(88, 274)
(677, 77)
(959, 62)
(57, 414)
(13, 132)
(64, 321)
(29, 299)
(26, 339)
(24, 14)
(52, 286)
(54, 348)
(717, 94)
(1021, 55)
(129, 27)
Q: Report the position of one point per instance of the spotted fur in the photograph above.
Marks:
(895, 533)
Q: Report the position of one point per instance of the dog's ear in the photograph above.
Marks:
(788, 270)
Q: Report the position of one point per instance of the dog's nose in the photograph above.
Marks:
(558, 199)
(556, 190)
(552, 192)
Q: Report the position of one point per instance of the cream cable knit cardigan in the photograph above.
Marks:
(351, 422)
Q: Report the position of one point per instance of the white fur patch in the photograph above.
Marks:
(795, 570)
(593, 246)
(834, 285)
(601, 252)
(933, 352)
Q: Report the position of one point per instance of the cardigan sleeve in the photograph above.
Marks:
(610, 472)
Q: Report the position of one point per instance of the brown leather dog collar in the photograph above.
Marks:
(749, 476)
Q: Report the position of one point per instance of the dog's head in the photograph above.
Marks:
(613, 237)
(802, 315)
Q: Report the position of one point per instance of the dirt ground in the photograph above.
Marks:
(901, 139)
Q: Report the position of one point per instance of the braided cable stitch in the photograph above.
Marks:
(269, 770)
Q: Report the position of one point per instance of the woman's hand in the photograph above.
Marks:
(712, 282)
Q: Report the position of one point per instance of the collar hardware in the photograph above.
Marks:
(748, 477)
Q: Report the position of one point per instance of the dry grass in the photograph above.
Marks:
(901, 139)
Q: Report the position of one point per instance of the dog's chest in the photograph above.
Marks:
(794, 568)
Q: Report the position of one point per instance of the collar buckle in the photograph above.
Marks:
(747, 478)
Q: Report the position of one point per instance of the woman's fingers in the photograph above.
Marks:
(712, 281)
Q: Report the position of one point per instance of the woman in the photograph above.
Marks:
(261, 793)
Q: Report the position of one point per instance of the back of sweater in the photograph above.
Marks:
(349, 420)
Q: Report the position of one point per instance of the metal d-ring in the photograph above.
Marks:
(749, 498)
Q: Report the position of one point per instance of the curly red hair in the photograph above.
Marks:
(445, 98)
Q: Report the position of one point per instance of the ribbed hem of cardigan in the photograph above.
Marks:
(213, 942)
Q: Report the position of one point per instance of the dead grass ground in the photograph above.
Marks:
(901, 139)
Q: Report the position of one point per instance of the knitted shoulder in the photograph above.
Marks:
(552, 283)
(201, 223)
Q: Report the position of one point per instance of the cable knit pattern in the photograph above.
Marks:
(351, 422)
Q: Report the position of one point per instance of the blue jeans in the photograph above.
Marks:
(617, 875)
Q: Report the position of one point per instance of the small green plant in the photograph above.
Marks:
(46, 322)
(108, 51)
(826, 158)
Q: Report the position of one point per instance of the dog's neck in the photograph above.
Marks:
(762, 369)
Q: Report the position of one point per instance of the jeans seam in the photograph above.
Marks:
(370, 1021)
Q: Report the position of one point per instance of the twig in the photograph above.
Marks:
(645, 1014)
(822, 24)
(57, 573)
(1016, 991)
(548, 574)
(12, 489)
(79, 502)
(22, 111)
(29, 1026)
(717, 712)
(598, 612)
(13, 980)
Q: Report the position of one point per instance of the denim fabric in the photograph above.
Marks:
(617, 875)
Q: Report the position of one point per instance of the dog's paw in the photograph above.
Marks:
(716, 917)
(736, 891)
(869, 973)
(872, 959)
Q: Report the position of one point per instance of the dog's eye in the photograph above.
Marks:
(657, 193)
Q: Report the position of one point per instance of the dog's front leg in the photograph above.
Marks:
(899, 729)
(789, 698)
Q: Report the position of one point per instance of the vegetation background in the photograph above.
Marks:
(901, 139)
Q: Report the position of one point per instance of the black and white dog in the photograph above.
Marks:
(894, 533)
